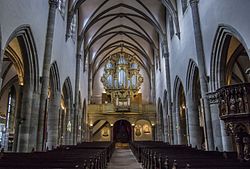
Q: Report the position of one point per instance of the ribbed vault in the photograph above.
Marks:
(109, 26)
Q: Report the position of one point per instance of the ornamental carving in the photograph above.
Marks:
(234, 111)
(122, 79)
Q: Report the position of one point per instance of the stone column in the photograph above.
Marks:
(175, 136)
(70, 128)
(64, 126)
(227, 140)
(153, 84)
(168, 85)
(18, 116)
(153, 132)
(178, 126)
(111, 132)
(68, 124)
(89, 83)
(133, 133)
(53, 4)
(221, 140)
(1, 63)
(193, 123)
(1, 56)
(77, 84)
(34, 121)
(202, 72)
(24, 130)
(53, 119)
(90, 133)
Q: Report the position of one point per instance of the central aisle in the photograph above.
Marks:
(123, 159)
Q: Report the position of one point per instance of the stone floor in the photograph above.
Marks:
(123, 159)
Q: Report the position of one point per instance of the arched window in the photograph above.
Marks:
(72, 31)
(10, 117)
(171, 26)
(62, 7)
(184, 4)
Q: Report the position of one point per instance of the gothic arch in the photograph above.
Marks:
(222, 39)
(68, 118)
(194, 114)
(54, 77)
(181, 132)
(191, 76)
(23, 57)
(160, 120)
(54, 107)
(67, 89)
(31, 69)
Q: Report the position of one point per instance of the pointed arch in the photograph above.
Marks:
(180, 112)
(194, 115)
(67, 89)
(54, 77)
(171, 9)
(68, 114)
(191, 76)
(223, 34)
(27, 43)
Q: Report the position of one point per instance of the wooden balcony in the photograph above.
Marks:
(234, 102)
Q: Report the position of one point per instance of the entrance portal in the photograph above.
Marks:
(122, 131)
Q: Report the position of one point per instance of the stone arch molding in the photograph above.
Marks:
(191, 75)
(222, 33)
(55, 77)
(25, 36)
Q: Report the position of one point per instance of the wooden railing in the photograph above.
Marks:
(234, 101)
(109, 108)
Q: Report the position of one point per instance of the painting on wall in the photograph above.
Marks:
(138, 130)
(105, 132)
(146, 129)
(143, 131)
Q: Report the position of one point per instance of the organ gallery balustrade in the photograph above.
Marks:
(234, 110)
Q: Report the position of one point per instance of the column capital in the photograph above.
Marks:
(166, 55)
(79, 55)
(193, 2)
(54, 3)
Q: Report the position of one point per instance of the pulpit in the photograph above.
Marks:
(234, 107)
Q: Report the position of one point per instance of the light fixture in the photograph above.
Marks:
(69, 126)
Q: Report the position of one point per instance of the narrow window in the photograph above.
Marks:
(62, 7)
(184, 4)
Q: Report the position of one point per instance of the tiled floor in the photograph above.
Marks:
(123, 159)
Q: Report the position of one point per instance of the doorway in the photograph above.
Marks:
(122, 131)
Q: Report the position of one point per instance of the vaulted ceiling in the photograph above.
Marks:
(109, 26)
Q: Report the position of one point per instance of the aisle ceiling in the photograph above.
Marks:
(109, 26)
